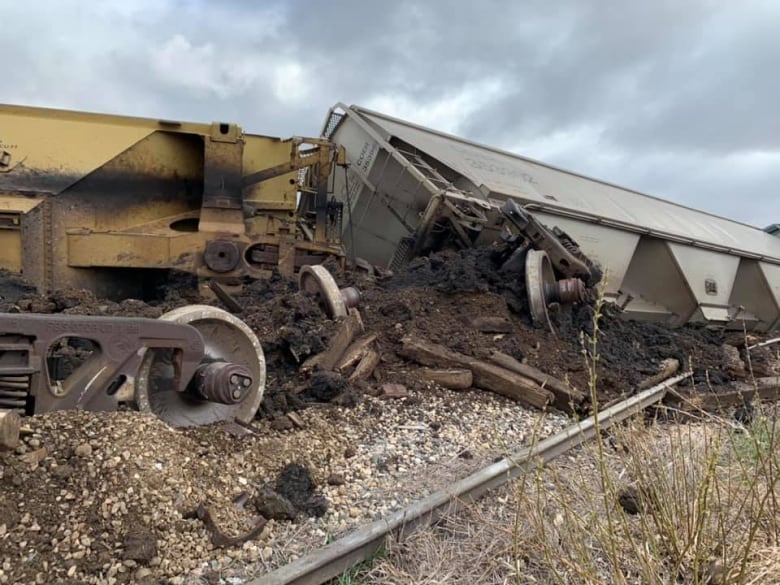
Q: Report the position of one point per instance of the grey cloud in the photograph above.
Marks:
(661, 96)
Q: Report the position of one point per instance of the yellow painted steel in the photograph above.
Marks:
(10, 249)
(83, 194)
(52, 141)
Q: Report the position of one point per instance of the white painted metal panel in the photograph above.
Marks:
(554, 188)
(772, 275)
(664, 261)
(610, 248)
(710, 275)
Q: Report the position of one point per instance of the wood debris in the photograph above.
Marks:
(668, 368)
(349, 327)
(355, 352)
(366, 366)
(10, 424)
(296, 419)
(394, 391)
(452, 378)
(486, 375)
(566, 397)
(723, 397)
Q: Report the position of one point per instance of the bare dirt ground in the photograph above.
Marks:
(114, 497)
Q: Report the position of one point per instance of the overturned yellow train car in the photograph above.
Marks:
(113, 203)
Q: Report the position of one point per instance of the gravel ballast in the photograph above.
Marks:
(112, 497)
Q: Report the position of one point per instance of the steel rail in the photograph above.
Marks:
(764, 343)
(362, 543)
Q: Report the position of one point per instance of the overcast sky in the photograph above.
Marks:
(675, 98)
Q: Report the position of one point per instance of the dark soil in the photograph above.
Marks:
(330, 387)
(293, 494)
(434, 298)
(13, 288)
(296, 484)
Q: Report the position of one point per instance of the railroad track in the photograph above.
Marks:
(361, 544)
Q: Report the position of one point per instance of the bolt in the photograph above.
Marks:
(222, 382)
(570, 290)
(351, 296)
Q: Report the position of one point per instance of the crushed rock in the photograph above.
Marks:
(127, 501)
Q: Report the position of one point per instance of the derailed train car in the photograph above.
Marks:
(408, 188)
(90, 200)
(111, 203)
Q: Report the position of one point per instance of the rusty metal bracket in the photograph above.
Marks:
(115, 347)
(565, 256)
(218, 537)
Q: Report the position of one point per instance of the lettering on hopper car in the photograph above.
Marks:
(354, 187)
(492, 167)
(7, 145)
(366, 157)
(486, 163)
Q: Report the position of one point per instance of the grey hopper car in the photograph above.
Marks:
(664, 261)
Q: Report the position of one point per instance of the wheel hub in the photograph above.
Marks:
(316, 281)
(543, 289)
(228, 385)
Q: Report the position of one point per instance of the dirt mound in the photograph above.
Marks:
(436, 298)
(466, 271)
(296, 484)
(13, 288)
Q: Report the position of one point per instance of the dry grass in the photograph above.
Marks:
(704, 507)
(765, 567)
(706, 512)
(473, 546)
(707, 516)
